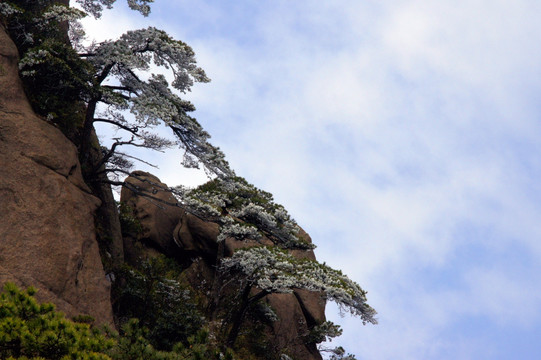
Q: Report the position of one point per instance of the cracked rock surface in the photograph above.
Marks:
(47, 234)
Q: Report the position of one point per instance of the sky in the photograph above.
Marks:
(403, 136)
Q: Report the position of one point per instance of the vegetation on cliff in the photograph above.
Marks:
(74, 87)
(29, 330)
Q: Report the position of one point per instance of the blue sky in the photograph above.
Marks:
(404, 136)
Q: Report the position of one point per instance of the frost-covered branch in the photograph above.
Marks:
(95, 7)
(270, 270)
(115, 73)
(247, 212)
(152, 101)
(275, 271)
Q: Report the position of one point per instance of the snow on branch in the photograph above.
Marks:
(151, 100)
(273, 270)
(246, 212)
(95, 7)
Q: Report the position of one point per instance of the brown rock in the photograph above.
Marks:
(304, 254)
(195, 235)
(157, 214)
(291, 327)
(46, 229)
(232, 244)
(176, 233)
(312, 304)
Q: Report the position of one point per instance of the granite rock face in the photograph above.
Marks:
(169, 230)
(156, 219)
(47, 234)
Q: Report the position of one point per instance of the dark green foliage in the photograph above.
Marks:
(153, 294)
(325, 331)
(134, 345)
(56, 86)
(56, 79)
(24, 27)
(253, 342)
(84, 319)
(128, 222)
(244, 211)
(199, 347)
(29, 329)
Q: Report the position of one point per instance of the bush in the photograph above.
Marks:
(153, 294)
(29, 330)
(32, 330)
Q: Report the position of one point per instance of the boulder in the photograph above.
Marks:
(47, 234)
(196, 236)
(156, 214)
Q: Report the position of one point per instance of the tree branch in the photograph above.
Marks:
(138, 159)
(104, 73)
(132, 130)
(122, 88)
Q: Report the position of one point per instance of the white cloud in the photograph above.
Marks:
(403, 136)
(112, 24)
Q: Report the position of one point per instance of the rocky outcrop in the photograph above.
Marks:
(47, 234)
(156, 219)
(165, 228)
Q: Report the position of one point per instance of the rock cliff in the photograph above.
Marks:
(47, 234)
(169, 230)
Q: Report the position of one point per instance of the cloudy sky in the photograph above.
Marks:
(404, 136)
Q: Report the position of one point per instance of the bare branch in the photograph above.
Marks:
(122, 88)
(138, 159)
(132, 130)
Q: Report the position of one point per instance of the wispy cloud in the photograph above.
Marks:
(403, 135)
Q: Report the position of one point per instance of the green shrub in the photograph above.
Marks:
(129, 223)
(153, 294)
(29, 330)
(56, 81)
(32, 330)
(199, 347)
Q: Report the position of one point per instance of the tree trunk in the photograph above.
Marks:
(86, 139)
(215, 291)
(246, 301)
(239, 317)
